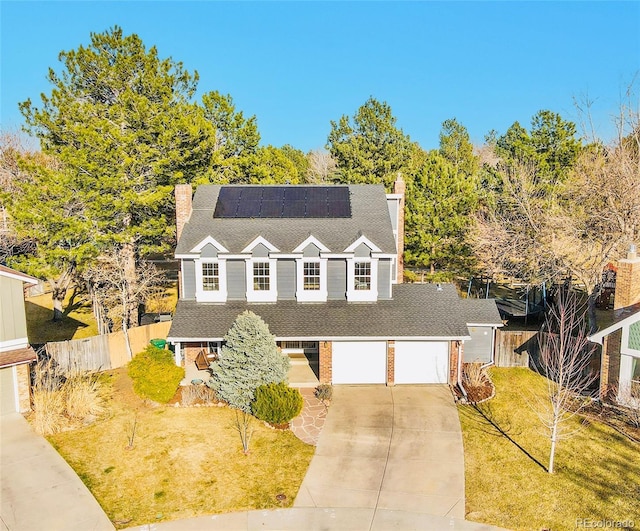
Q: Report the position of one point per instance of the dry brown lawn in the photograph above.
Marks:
(184, 462)
(597, 478)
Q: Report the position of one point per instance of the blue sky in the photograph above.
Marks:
(299, 65)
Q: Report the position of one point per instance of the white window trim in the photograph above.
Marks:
(362, 295)
(363, 239)
(260, 240)
(270, 295)
(308, 295)
(209, 240)
(311, 240)
(211, 296)
(13, 344)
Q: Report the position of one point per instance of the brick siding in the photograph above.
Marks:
(325, 354)
(391, 361)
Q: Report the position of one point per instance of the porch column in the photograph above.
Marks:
(391, 362)
(325, 349)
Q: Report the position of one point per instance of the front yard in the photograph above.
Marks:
(184, 462)
(597, 475)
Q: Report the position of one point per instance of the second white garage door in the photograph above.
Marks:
(359, 362)
(418, 362)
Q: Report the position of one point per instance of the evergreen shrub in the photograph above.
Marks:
(155, 374)
(277, 403)
(248, 359)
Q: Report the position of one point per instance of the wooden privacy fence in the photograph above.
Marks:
(108, 351)
(514, 347)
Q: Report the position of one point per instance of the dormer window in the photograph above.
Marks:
(261, 276)
(211, 280)
(362, 276)
(362, 279)
(261, 280)
(210, 277)
(311, 275)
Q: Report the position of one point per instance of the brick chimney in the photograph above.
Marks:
(399, 188)
(628, 280)
(183, 207)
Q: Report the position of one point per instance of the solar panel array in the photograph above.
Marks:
(283, 202)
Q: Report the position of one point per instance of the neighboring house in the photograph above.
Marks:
(15, 353)
(322, 265)
(620, 360)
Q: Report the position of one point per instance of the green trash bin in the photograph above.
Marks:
(160, 343)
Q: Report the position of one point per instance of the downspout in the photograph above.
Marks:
(464, 391)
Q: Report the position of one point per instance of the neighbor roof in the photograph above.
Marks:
(12, 273)
(417, 311)
(369, 217)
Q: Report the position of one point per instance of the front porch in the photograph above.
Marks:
(303, 370)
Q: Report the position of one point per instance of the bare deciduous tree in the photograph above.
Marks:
(111, 286)
(565, 356)
(322, 166)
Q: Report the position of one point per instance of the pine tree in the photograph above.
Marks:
(249, 359)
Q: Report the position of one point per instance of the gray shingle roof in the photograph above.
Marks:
(369, 218)
(416, 311)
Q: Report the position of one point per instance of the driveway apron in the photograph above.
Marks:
(39, 489)
(389, 448)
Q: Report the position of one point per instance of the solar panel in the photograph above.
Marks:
(271, 209)
(283, 202)
(293, 209)
(295, 193)
(273, 193)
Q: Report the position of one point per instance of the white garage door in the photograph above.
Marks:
(359, 362)
(421, 362)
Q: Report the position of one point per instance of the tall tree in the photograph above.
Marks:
(456, 147)
(369, 148)
(121, 119)
(440, 201)
(46, 212)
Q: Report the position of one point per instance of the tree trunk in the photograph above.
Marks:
(129, 256)
(554, 440)
(591, 312)
(59, 289)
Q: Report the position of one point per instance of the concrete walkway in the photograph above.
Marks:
(390, 448)
(39, 490)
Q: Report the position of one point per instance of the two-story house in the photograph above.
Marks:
(322, 265)
(16, 354)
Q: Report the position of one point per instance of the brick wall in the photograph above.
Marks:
(325, 348)
(190, 351)
(391, 361)
(453, 360)
(24, 386)
(610, 365)
(627, 282)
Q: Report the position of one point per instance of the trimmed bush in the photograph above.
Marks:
(277, 403)
(155, 374)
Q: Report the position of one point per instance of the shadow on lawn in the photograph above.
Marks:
(489, 422)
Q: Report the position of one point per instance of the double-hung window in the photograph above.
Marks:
(261, 276)
(210, 277)
(311, 276)
(211, 280)
(311, 279)
(362, 276)
(261, 280)
(362, 279)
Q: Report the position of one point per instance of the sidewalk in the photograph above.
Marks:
(39, 489)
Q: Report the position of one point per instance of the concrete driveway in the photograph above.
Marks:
(389, 449)
(39, 489)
